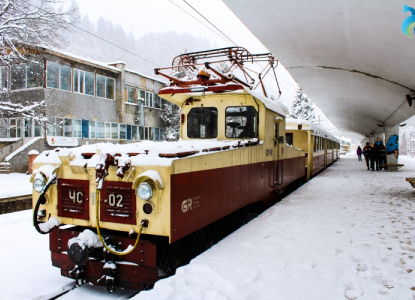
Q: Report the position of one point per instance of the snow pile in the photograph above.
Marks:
(154, 175)
(346, 234)
(51, 223)
(146, 152)
(88, 238)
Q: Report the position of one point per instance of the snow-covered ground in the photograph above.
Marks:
(14, 184)
(346, 234)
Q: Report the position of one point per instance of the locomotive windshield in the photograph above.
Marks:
(202, 122)
(241, 122)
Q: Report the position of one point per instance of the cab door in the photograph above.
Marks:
(278, 140)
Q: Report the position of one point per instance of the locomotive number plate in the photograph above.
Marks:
(118, 203)
(73, 198)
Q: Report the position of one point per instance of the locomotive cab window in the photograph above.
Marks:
(241, 122)
(202, 122)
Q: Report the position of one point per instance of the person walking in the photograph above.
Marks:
(367, 150)
(382, 155)
(359, 153)
(375, 158)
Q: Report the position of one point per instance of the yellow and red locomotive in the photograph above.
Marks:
(126, 215)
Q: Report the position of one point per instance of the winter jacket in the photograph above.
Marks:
(382, 151)
(359, 151)
(367, 150)
(375, 152)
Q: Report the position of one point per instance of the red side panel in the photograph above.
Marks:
(318, 164)
(118, 202)
(202, 197)
(73, 196)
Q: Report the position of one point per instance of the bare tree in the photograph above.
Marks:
(31, 23)
(24, 26)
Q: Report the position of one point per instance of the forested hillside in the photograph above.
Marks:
(158, 49)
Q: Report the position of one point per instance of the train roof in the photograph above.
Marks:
(292, 124)
(178, 95)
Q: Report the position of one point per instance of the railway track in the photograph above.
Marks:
(87, 291)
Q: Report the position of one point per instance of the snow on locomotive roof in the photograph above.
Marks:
(141, 153)
(178, 95)
(292, 124)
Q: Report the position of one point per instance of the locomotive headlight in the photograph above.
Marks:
(38, 185)
(145, 191)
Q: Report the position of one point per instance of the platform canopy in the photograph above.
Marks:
(350, 57)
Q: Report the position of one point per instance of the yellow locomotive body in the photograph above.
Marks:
(137, 211)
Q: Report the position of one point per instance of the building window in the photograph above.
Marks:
(156, 134)
(114, 131)
(131, 94)
(59, 126)
(27, 127)
(134, 132)
(157, 101)
(92, 130)
(100, 130)
(123, 132)
(68, 127)
(38, 129)
(107, 130)
(161, 134)
(18, 76)
(140, 133)
(105, 87)
(146, 133)
(83, 82)
(14, 127)
(147, 96)
(50, 128)
(4, 78)
(57, 76)
(34, 75)
(77, 128)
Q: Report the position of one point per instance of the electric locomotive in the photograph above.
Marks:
(127, 215)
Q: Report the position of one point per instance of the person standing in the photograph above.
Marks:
(382, 155)
(375, 153)
(359, 153)
(367, 150)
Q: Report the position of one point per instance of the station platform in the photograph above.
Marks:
(348, 233)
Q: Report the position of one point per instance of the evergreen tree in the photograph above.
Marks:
(170, 118)
(302, 107)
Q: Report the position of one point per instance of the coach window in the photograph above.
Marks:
(202, 122)
(240, 122)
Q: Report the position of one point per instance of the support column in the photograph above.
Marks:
(392, 145)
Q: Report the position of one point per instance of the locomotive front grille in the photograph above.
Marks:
(118, 203)
(73, 199)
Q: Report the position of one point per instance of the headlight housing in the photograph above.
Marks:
(145, 191)
(38, 185)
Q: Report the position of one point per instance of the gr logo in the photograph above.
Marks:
(187, 205)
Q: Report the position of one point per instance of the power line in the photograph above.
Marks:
(199, 21)
(132, 25)
(209, 22)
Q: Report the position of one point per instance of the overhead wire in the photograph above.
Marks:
(86, 31)
(132, 25)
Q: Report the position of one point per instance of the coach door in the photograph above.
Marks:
(277, 170)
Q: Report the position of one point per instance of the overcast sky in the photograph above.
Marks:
(143, 17)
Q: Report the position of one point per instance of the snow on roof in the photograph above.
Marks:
(274, 105)
(292, 124)
(153, 149)
(146, 76)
